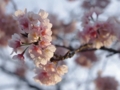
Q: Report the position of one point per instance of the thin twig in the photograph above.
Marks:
(14, 5)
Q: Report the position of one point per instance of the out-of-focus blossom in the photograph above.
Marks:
(3, 4)
(99, 33)
(106, 83)
(8, 26)
(56, 28)
(19, 57)
(59, 26)
(70, 27)
(50, 74)
(83, 61)
(21, 70)
(90, 55)
(62, 69)
(115, 23)
(87, 4)
(86, 59)
(88, 15)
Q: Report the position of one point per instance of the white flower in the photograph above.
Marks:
(33, 18)
(43, 14)
(33, 37)
(19, 13)
(61, 70)
(49, 51)
(46, 23)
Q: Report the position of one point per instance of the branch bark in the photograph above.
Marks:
(83, 48)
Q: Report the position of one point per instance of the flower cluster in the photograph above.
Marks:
(99, 33)
(8, 26)
(35, 38)
(106, 83)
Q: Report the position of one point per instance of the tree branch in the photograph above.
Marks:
(14, 5)
(21, 78)
(83, 48)
(70, 53)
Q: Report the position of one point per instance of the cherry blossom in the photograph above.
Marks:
(99, 3)
(106, 83)
(19, 57)
(43, 14)
(99, 33)
(41, 56)
(83, 61)
(15, 42)
(33, 41)
(36, 39)
(50, 74)
(8, 26)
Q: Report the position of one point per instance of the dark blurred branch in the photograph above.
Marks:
(7, 86)
(21, 78)
(109, 50)
(14, 5)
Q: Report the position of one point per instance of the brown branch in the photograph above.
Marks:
(83, 48)
(71, 53)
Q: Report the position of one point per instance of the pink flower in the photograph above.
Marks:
(19, 57)
(34, 51)
(46, 23)
(83, 61)
(41, 56)
(36, 38)
(44, 43)
(61, 70)
(21, 70)
(20, 13)
(46, 32)
(23, 20)
(49, 51)
(87, 4)
(15, 42)
(99, 33)
(106, 83)
(24, 24)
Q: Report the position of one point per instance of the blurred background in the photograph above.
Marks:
(89, 70)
